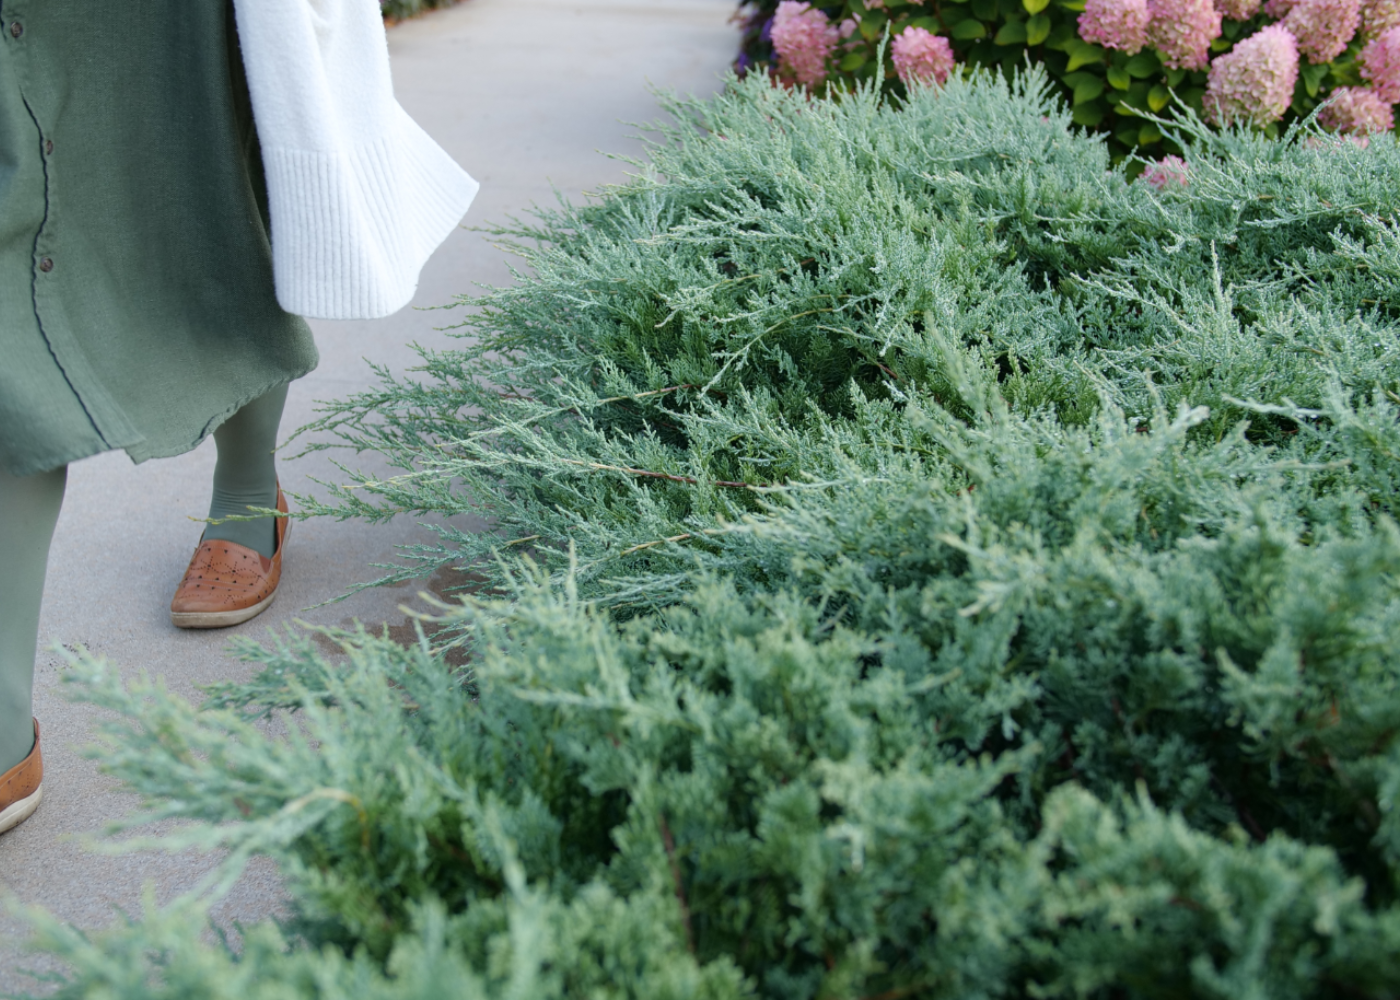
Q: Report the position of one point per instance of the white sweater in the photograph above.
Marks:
(360, 196)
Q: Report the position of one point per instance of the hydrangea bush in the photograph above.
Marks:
(972, 576)
(1117, 61)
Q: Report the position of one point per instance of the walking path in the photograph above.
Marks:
(522, 93)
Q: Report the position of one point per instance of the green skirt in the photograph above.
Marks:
(136, 300)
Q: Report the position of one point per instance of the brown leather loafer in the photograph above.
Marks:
(22, 787)
(227, 583)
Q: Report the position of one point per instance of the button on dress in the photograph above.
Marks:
(137, 308)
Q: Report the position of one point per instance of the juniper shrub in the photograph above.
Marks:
(927, 565)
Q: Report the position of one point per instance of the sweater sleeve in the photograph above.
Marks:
(360, 196)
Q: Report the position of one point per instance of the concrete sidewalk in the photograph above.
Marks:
(523, 93)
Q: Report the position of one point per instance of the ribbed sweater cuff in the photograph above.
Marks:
(353, 229)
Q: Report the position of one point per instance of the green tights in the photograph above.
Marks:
(246, 472)
(244, 476)
(28, 512)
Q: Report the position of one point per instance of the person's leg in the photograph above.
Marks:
(246, 473)
(28, 512)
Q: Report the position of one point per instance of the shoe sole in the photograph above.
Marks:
(220, 619)
(20, 811)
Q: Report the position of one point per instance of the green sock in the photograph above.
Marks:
(28, 512)
(246, 472)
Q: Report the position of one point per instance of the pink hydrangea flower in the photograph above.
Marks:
(1181, 31)
(1278, 9)
(1167, 172)
(1357, 111)
(1237, 10)
(1254, 81)
(1378, 17)
(1115, 24)
(803, 38)
(1380, 64)
(919, 55)
(1323, 27)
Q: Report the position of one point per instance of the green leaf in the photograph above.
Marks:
(853, 61)
(1087, 90)
(971, 28)
(1081, 53)
(872, 26)
(985, 10)
(1035, 6)
(1037, 29)
(1144, 65)
(1061, 37)
(1313, 77)
(1088, 115)
(1219, 44)
(1148, 134)
(1011, 33)
(1158, 97)
(1175, 76)
(1074, 5)
(1135, 100)
(1118, 78)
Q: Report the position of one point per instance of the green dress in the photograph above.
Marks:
(136, 300)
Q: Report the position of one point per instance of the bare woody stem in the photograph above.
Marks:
(670, 844)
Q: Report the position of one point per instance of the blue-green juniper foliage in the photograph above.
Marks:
(926, 565)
